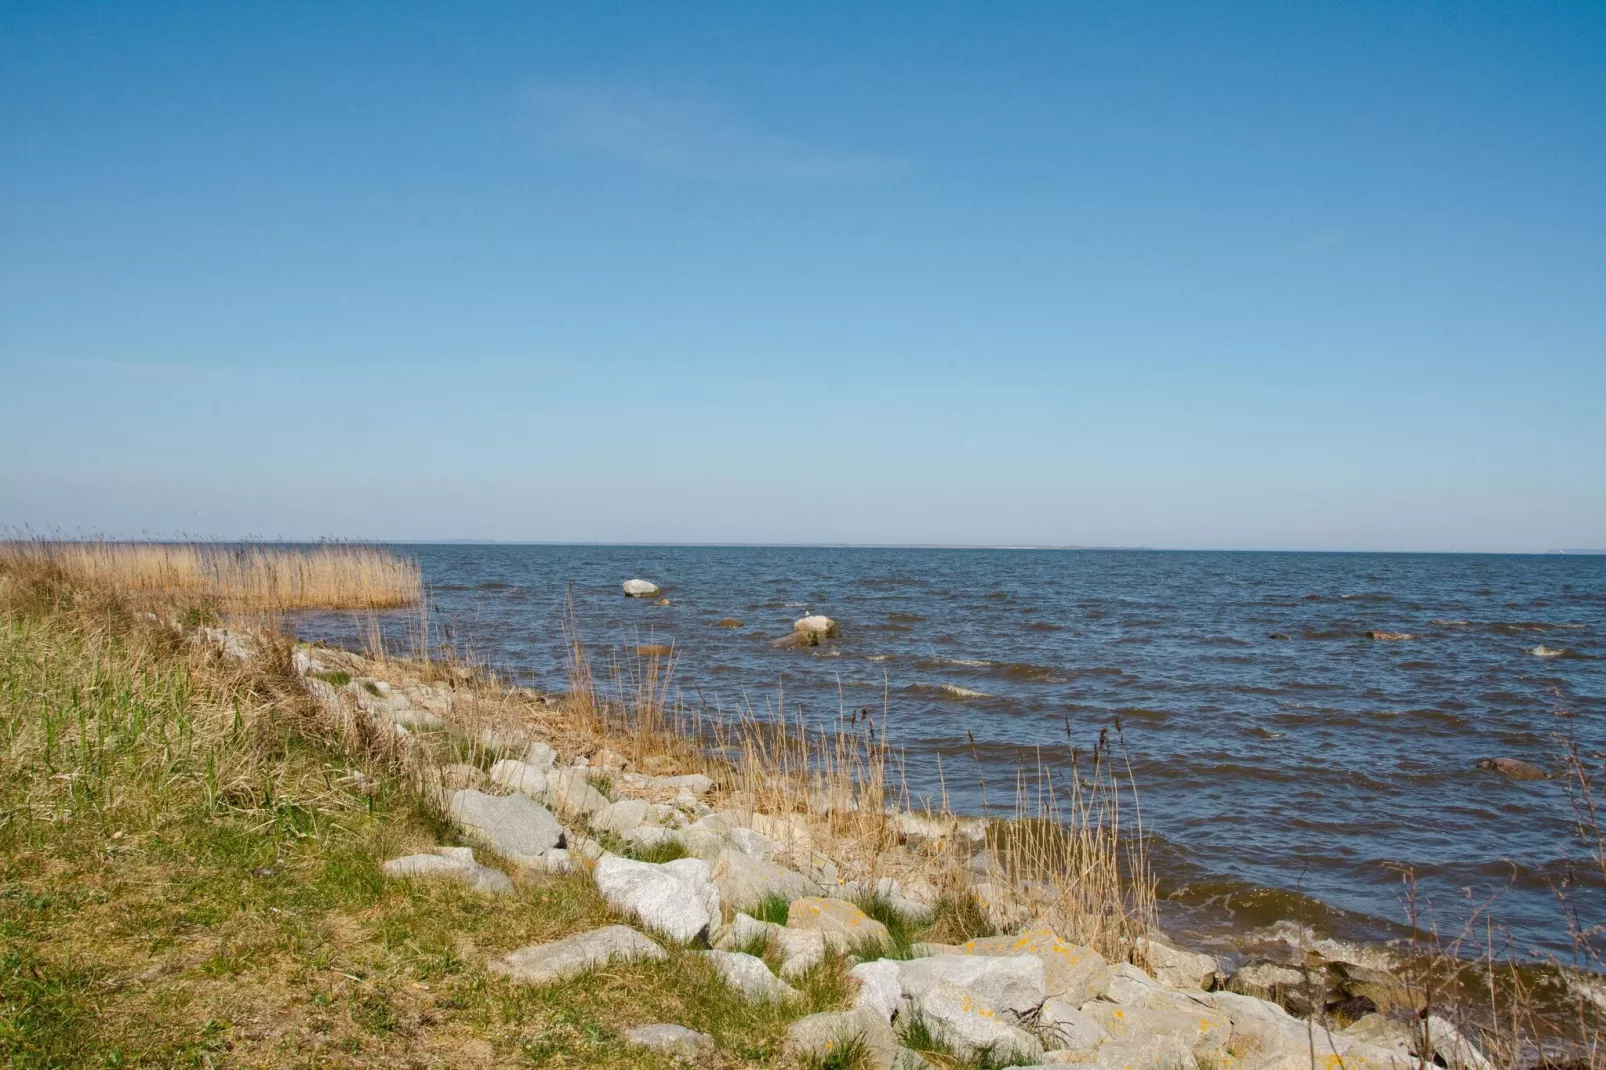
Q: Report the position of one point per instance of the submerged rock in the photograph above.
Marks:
(1515, 768)
(728, 622)
(640, 589)
(1390, 637)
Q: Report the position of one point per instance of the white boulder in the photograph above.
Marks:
(675, 898)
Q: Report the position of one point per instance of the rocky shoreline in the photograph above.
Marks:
(765, 896)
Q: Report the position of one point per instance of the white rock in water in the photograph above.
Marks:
(641, 588)
(676, 898)
(818, 624)
(542, 964)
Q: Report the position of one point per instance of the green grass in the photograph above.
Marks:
(336, 677)
(772, 908)
(666, 851)
(603, 783)
(849, 1053)
(904, 933)
(187, 880)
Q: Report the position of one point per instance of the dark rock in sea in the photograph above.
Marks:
(1276, 635)
(797, 639)
(1390, 637)
(728, 622)
(1515, 768)
(1351, 1009)
(654, 650)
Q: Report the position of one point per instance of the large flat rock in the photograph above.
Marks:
(674, 898)
(514, 826)
(542, 964)
(1071, 972)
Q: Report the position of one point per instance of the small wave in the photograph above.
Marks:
(1043, 626)
(1367, 596)
(1542, 651)
(879, 657)
(906, 618)
(955, 691)
(493, 586)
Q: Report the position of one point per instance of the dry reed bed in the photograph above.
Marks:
(235, 577)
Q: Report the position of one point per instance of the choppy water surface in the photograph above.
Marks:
(1287, 763)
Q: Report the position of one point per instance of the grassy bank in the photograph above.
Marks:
(189, 875)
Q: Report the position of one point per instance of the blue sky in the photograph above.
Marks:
(1291, 276)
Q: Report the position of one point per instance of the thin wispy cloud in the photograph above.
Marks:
(693, 136)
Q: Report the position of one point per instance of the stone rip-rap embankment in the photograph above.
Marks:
(1026, 995)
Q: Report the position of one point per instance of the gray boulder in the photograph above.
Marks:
(745, 880)
(522, 777)
(1065, 1028)
(1146, 1052)
(842, 923)
(452, 863)
(817, 1037)
(1177, 967)
(514, 826)
(675, 898)
(1013, 985)
(620, 817)
(675, 1040)
(1289, 986)
(749, 976)
(971, 1025)
(1071, 972)
(571, 795)
(541, 964)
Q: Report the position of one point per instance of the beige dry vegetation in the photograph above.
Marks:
(261, 578)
